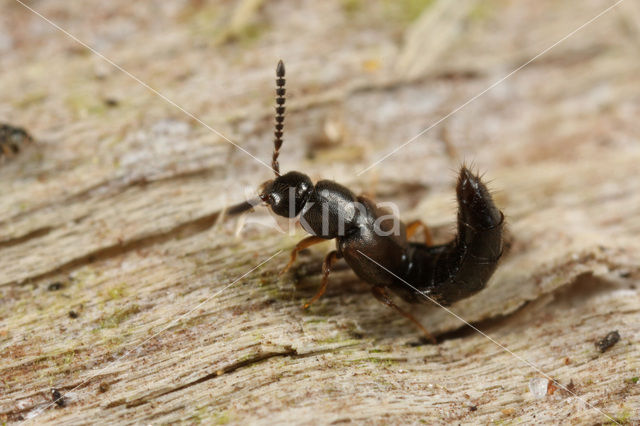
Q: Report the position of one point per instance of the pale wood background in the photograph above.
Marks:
(118, 202)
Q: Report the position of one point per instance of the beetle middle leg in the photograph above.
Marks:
(412, 227)
(381, 294)
(302, 244)
(329, 260)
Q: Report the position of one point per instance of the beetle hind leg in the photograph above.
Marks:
(381, 294)
(413, 226)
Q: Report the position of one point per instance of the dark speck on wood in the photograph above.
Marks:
(607, 341)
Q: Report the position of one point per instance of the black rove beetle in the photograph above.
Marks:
(387, 260)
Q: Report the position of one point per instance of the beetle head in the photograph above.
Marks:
(287, 194)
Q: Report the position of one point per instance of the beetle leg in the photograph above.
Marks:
(4, 149)
(329, 260)
(302, 244)
(412, 227)
(381, 294)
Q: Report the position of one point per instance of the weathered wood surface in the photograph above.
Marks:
(118, 202)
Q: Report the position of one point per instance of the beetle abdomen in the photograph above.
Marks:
(453, 271)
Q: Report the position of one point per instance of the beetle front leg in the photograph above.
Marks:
(302, 244)
(329, 260)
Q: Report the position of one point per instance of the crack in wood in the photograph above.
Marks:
(182, 230)
(36, 233)
(44, 395)
(256, 359)
(116, 185)
(259, 358)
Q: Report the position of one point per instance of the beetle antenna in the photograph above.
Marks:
(280, 92)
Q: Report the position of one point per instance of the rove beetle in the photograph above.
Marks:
(387, 260)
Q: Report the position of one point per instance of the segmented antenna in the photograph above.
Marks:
(280, 92)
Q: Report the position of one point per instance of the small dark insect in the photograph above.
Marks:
(111, 102)
(57, 398)
(364, 237)
(607, 341)
(73, 314)
(55, 286)
(12, 140)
